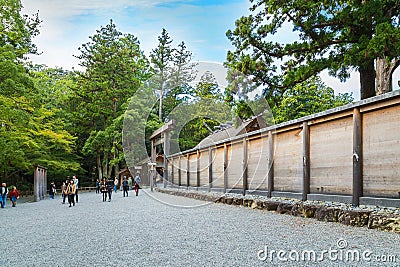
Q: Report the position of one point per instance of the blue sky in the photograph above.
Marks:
(201, 24)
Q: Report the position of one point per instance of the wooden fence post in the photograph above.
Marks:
(357, 157)
(306, 160)
(198, 168)
(210, 170)
(270, 184)
(172, 171)
(245, 162)
(179, 172)
(225, 167)
(187, 171)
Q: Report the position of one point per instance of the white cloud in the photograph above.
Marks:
(61, 35)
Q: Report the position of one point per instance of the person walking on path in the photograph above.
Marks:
(103, 189)
(3, 194)
(129, 183)
(64, 192)
(14, 195)
(110, 186)
(137, 184)
(71, 190)
(76, 182)
(52, 190)
(125, 186)
(97, 186)
(115, 184)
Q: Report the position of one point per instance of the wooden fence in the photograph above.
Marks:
(351, 153)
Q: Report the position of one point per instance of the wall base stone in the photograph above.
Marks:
(322, 212)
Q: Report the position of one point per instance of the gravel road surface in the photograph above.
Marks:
(145, 231)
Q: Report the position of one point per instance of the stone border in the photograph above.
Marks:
(322, 212)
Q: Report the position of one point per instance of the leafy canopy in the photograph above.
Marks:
(339, 36)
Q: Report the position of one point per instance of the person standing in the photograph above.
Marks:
(76, 182)
(137, 184)
(125, 186)
(3, 194)
(97, 186)
(103, 189)
(64, 192)
(71, 190)
(115, 184)
(110, 186)
(130, 182)
(14, 195)
(52, 190)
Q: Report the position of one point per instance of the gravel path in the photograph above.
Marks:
(142, 231)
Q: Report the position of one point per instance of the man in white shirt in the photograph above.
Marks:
(76, 181)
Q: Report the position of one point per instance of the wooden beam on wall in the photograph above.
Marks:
(180, 171)
(172, 171)
(225, 167)
(245, 165)
(198, 169)
(306, 160)
(210, 168)
(270, 163)
(357, 157)
(187, 170)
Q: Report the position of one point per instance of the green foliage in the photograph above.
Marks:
(115, 69)
(172, 70)
(206, 108)
(16, 29)
(307, 98)
(30, 132)
(336, 35)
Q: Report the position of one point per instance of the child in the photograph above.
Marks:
(14, 195)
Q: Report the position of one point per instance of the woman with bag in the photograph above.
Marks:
(71, 189)
(103, 189)
(64, 191)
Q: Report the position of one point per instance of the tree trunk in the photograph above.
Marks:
(115, 167)
(160, 113)
(384, 72)
(367, 79)
(105, 166)
(99, 169)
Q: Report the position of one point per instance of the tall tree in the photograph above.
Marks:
(17, 29)
(115, 69)
(336, 35)
(160, 58)
(31, 132)
(182, 74)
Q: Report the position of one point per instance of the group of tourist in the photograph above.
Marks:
(106, 186)
(69, 190)
(4, 193)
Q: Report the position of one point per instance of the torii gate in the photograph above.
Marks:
(161, 136)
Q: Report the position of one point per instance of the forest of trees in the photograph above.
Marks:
(71, 121)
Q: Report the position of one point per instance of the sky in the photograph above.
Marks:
(201, 24)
